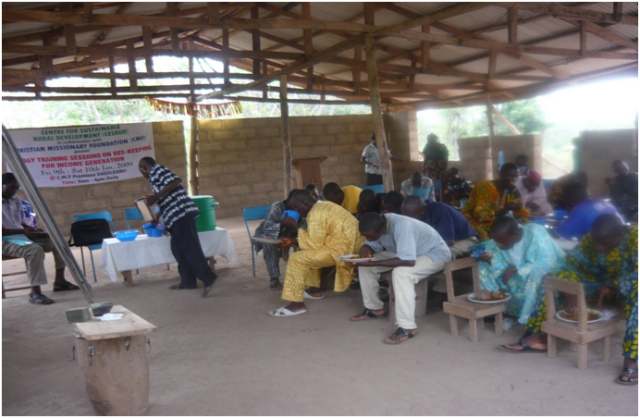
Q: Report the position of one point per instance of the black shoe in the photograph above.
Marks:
(180, 286)
(207, 288)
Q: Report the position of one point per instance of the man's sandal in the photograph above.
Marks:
(630, 375)
(63, 287)
(367, 314)
(393, 338)
(40, 299)
(282, 312)
(526, 348)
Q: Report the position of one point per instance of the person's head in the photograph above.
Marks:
(145, 165)
(509, 174)
(506, 232)
(314, 190)
(607, 232)
(10, 185)
(620, 167)
(532, 181)
(333, 193)
(452, 172)
(290, 195)
(414, 207)
(521, 160)
(574, 194)
(373, 139)
(301, 201)
(372, 226)
(581, 177)
(459, 188)
(392, 202)
(432, 138)
(367, 200)
(416, 180)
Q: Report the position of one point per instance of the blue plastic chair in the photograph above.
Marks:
(378, 188)
(437, 188)
(133, 214)
(106, 215)
(254, 213)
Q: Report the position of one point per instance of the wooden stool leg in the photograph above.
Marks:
(582, 356)
(453, 321)
(606, 348)
(552, 346)
(473, 330)
(498, 324)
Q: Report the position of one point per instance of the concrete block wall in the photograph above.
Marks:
(241, 160)
(475, 159)
(598, 149)
(65, 202)
(512, 145)
(402, 138)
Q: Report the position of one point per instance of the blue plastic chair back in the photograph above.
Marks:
(500, 159)
(106, 215)
(254, 213)
(423, 193)
(132, 214)
(378, 188)
(437, 188)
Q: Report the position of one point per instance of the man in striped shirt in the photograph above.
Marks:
(179, 213)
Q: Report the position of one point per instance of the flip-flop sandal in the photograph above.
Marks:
(308, 296)
(180, 286)
(64, 287)
(40, 300)
(400, 331)
(526, 348)
(368, 314)
(282, 312)
(629, 373)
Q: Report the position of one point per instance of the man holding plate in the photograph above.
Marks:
(413, 251)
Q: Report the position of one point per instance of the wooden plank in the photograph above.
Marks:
(512, 25)
(194, 182)
(376, 113)
(70, 39)
(133, 77)
(214, 13)
(426, 48)
(148, 46)
(255, 39)
(286, 136)
(558, 10)
(583, 38)
(308, 43)
(130, 324)
(112, 71)
(171, 12)
(356, 72)
(493, 62)
(87, 12)
(225, 60)
(603, 33)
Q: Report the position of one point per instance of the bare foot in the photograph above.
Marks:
(536, 341)
(367, 315)
(314, 292)
(296, 306)
(629, 364)
(401, 335)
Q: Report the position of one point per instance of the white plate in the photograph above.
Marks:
(487, 302)
(346, 258)
(266, 240)
(575, 322)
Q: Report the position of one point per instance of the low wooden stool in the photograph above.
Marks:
(422, 290)
(463, 307)
(581, 333)
(12, 289)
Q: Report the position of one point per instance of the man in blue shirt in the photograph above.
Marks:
(454, 229)
(583, 211)
(412, 250)
(179, 214)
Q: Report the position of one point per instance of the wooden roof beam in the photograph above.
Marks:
(571, 12)
(604, 33)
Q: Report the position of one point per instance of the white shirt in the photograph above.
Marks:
(12, 214)
(371, 155)
(538, 196)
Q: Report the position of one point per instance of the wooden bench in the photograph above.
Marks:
(460, 306)
(12, 289)
(580, 334)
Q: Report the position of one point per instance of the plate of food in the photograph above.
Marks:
(593, 315)
(354, 258)
(488, 297)
(266, 240)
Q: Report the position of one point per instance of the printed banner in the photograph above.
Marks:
(80, 155)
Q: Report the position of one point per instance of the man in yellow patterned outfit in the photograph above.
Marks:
(606, 263)
(331, 231)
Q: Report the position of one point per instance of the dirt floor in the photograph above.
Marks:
(223, 355)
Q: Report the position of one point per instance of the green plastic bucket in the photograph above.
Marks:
(206, 221)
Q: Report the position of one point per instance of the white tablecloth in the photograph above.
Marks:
(144, 252)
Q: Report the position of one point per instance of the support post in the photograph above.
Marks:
(286, 137)
(194, 183)
(426, 49)
(376, 113)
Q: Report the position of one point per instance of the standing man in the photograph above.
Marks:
(14, 222)
(371, 160)
(179, 214)
(413, 250)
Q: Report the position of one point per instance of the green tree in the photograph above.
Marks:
(526, 115)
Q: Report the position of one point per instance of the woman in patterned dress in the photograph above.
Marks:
(436, 158)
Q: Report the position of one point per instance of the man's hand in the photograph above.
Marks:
(287, 242)
(514, 206)
(152, 199)
(506, 276)
(38, 234)
(366, 251)
(450, 242)
(291, 223)
(485, 257)
(533, 206)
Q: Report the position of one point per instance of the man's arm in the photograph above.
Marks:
(12, 231)
(152, 199)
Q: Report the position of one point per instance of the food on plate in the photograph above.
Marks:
(573, 316)
(498, 295)
(483, 295)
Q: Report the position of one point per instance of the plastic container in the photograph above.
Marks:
(124, 236)
(560, 214)
(206, 221)
(152, 230)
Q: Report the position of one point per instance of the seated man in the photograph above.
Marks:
(369, 202)
(347, 197)
(14, 223)
(606, 263)
(493, 198)
(533, 194)
(272, 227)
(392, 202)
(583, 211)
(413, 250)
(624, 190)
(457, 191)
(454, 229)
(331, 231)
(516, 261)
(556, 192)
(414, 185)
(314, 191)
(521, 162)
